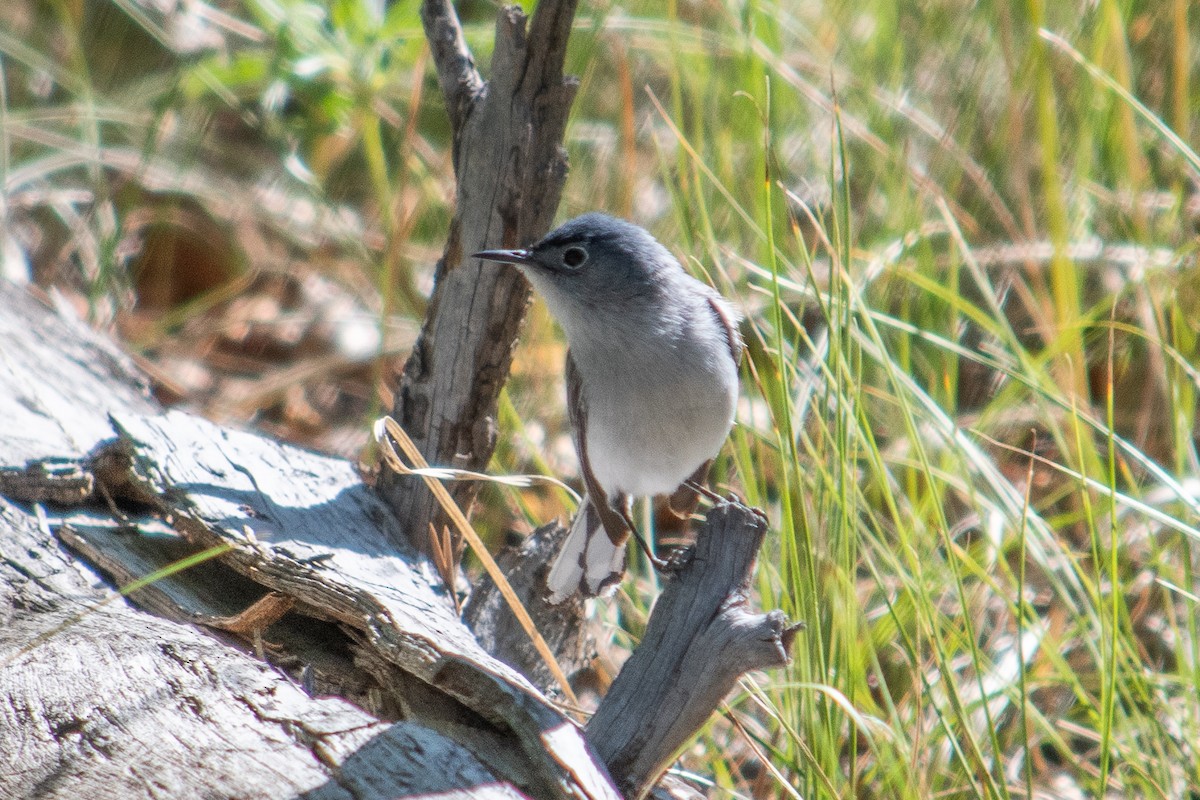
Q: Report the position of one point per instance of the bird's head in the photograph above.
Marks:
(593, 261)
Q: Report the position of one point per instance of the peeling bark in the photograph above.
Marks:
(202, 683)
(701, 637)
(510, 166)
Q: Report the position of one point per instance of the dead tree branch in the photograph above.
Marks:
(702, 636)
(510, 166)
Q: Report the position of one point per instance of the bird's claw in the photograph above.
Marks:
(677, 560)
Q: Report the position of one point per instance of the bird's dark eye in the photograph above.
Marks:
(574, 257)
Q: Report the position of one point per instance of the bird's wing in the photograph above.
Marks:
(576, 412)
(683, 501)
(592, 558)
(614, 526)
(732, 338)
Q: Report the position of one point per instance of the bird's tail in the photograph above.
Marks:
(588, 561)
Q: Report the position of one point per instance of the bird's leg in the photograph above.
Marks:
(614, 516)
(679, 507)
(700, 489)
(678, 510)
(658, 563)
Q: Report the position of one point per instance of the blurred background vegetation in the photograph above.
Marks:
(964, 237)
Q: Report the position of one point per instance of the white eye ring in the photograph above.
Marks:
(574, 257)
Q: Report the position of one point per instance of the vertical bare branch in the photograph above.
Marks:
(455, 66)
(510, 165)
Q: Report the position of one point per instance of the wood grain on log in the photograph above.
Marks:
(107, 702)
(562, 625)
(100, 700)
(510, 166)
(304, 525)
(701, 637)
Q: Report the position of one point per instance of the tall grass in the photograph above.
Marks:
(963, 238)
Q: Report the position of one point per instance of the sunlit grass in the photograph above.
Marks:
(973, 608)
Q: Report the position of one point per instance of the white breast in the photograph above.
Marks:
(656, 411)
(632, 454)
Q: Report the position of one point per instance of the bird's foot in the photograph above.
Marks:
(677, 560)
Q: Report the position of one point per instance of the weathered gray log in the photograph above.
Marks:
(510, 166)
(100, 700)
(118, 703)
(701, 637)
(562, 625)
(49, 406)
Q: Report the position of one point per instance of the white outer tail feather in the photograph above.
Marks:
(588, 561)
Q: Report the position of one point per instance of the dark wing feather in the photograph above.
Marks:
(732, 337)
(614, 525)
(683, 501)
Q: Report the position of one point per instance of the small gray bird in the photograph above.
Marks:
(652, 381)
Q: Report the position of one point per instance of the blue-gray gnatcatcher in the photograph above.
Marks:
(652, 380)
